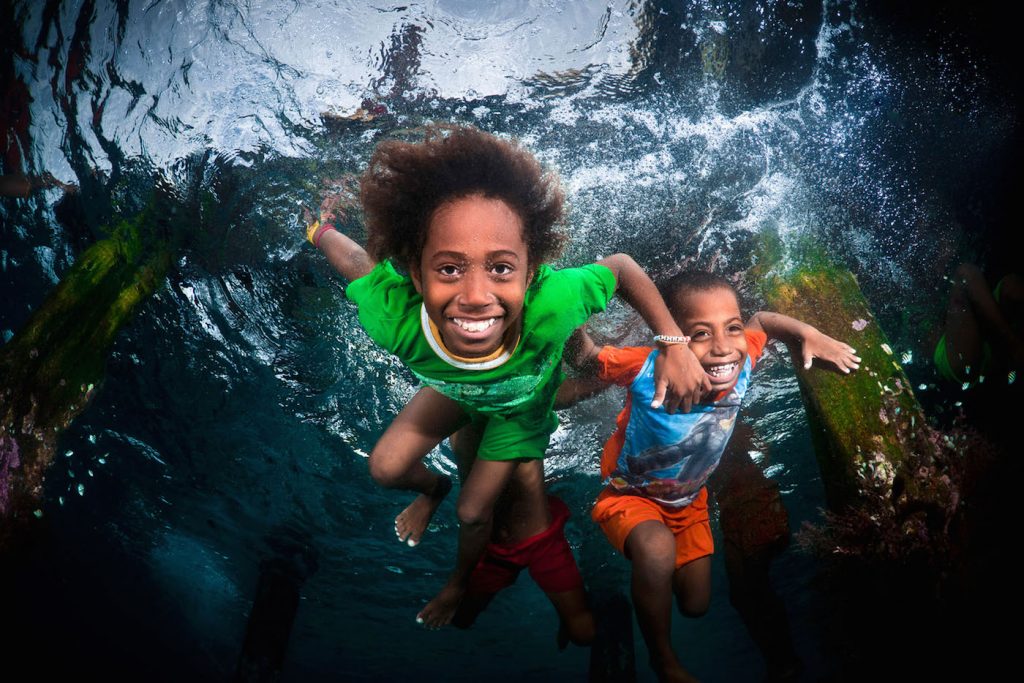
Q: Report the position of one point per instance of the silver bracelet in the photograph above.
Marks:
(669, 340)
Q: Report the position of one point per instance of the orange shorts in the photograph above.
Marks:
(618, 513)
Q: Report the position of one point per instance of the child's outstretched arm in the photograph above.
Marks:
(679, 378)
(580, 353)
(348, 258)
(813, 343)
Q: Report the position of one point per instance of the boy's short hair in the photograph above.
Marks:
(689, 281)
(406, 182)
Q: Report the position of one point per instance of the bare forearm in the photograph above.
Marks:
(679, 378)
(782, 327)
(636, 287)
(346, 255)
(581, 352)
(576, 389)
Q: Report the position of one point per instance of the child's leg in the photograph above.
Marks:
(396, 459)
(651, 547)
(1011, 305)
(553, 568)
(464, 445)
(575, 620)
(475, 509)
(470, 608)
(969, 298)
(974, 317)
(692, 585)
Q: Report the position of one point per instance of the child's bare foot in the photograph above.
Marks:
(669, 670)
(440, 610)
(413, 520)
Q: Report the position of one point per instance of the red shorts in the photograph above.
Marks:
(547, 555)
(619, 513)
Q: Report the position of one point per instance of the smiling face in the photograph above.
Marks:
(473, 274)
(711, 318)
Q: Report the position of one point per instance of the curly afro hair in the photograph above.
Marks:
(407, 181)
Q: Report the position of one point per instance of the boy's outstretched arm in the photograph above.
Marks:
(679, 378)
(813, 343)
(345, 254)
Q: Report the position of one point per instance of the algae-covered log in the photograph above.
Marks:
(869, 431)
(49, 370)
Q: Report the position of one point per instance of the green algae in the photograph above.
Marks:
(50, 369)
(868, 426)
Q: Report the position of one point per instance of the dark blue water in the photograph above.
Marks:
(240, 404)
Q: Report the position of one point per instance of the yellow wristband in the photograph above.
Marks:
(311, 231)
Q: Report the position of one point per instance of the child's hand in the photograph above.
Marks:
(815, 344)
(341, 196)
(679, 379)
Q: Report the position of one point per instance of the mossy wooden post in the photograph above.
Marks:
(867, 423)
(49, 369)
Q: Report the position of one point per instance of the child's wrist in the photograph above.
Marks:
(316, 231)
(669, 340)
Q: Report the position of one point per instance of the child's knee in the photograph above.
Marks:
(472, 513)
(651, 546)
(694, 605)
(383, 470)
(581, 628)
(1011, 290)
(968, 273)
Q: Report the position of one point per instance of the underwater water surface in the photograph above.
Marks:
(240, 404)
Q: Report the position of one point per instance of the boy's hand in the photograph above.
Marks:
(679, 379)
(815, 344)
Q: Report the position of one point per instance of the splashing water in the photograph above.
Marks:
(246, 396)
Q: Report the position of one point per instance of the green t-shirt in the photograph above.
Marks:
(518, 389)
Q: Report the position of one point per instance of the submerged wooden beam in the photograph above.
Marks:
(870, 433)
(50, 369)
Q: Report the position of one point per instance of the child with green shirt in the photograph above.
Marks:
(454, 283)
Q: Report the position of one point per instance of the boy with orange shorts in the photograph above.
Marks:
(654, 508)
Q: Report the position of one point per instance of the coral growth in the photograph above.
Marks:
(889, 526)
(8, 461)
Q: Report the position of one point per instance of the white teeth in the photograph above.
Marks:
(474, 325)
(722, 370)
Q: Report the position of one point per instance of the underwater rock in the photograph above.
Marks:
(50, 368)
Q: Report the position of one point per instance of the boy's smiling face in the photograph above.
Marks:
(473, 274)
(711, 318)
